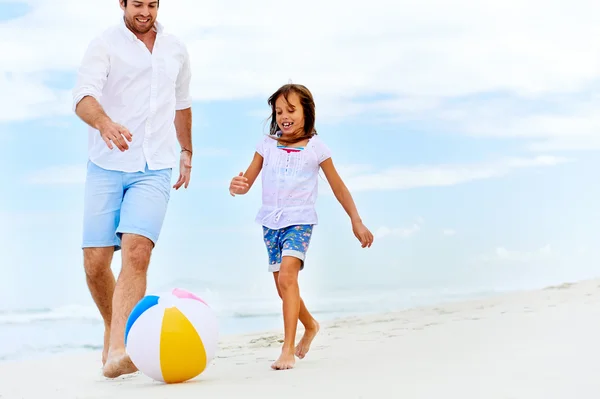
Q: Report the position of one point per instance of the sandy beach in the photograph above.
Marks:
(539, 344)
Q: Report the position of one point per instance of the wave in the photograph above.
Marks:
(36, 352)
(70, 312)
(246, 305)
(78, 327)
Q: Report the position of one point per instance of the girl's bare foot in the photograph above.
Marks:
(304, 345)
(285, 362)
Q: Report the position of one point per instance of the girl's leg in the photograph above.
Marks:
(311, 326)
(287, 283)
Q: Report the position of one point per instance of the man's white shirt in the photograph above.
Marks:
(139, 90)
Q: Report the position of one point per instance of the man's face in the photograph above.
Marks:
(140, 15)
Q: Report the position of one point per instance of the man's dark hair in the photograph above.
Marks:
(125, 2)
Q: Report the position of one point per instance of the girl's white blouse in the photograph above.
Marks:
(290, 182)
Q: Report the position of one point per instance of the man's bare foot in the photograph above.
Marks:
(106, 344)
(286, 361)
(118, 364)
(304, 345)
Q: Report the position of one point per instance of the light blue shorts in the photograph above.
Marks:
(118, 202)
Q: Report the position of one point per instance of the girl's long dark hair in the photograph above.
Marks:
(308, 107)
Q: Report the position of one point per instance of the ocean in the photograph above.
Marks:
(35, 333)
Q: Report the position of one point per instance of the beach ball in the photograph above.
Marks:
(171, 337)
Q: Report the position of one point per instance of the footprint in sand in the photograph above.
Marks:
(265, 341)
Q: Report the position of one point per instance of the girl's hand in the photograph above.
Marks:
(239, 185)
(363, 234)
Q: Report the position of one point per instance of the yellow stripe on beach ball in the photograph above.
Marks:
(182, 353)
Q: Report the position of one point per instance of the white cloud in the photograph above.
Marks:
(75, 174)
(547, 121)
(25, 97)
(402, 178)
(420, 54)
(548, 124)
(211, 152)
(399, 232)
(449, 232)
(58, 175)
(501, 254)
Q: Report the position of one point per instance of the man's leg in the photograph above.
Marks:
(101, 283)
(130, 288)
(142, 214)
(102, 202)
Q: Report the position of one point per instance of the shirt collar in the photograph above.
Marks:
(158, 28)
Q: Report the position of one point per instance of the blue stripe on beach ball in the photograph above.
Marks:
(144, 304)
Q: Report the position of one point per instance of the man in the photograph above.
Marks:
(133, 90)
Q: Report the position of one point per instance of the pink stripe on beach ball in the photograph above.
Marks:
(179, 293)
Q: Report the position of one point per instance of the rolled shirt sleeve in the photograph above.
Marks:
(182, 90)
(93, 72)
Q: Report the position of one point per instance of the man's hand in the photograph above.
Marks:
(113, 133)
(185, 169)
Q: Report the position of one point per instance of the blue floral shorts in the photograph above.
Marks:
(288, 241)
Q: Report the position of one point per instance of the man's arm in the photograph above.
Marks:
(183, 127)
(91, 112)
(183, 105)
(183, 121)
(91, 77)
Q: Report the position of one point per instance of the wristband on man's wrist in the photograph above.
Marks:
(185, 149)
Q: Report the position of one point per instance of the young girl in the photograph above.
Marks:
(290, 158)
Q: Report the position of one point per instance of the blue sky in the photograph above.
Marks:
(475, 168)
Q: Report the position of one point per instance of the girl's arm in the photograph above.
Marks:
(344, 197)
(253, 169)
(242, 183)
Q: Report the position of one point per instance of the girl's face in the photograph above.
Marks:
(290, 115)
